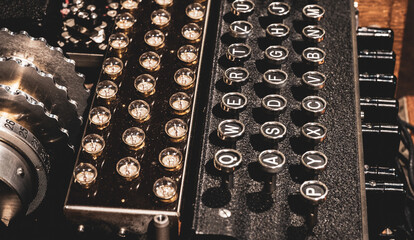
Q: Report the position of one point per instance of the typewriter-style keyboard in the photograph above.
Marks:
(282, 129)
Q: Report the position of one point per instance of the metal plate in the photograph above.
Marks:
(48, 59)
(113, 201)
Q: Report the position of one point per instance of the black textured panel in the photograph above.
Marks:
(245, 211)
(23, 9)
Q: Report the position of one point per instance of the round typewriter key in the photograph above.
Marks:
(274, 103)
(273, 131)
(271, 162)
(276, 54)
(238, 52)
(242, 7)
(165, 189)
(314, 80)
(314, 191)
(233, 102)
(313, 12)
(313, 33)
(227, 161)
(240, 29)
(111, 13)
(171, 158)
(275, 78)
(277, 31)
(314, 161)
(278, 9)
(236, 76)
(314, 105)
(313, 56)
(314, 132)
(230, 129)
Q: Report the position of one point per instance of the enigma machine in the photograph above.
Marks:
(199, 119)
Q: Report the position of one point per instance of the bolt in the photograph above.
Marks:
(224, 213)
(20, 172)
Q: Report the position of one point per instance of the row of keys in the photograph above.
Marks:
(273, 104)
(242, 29)
(232, 130)
(275, 54)
(314, 191)
(278, 10)
(274, 78)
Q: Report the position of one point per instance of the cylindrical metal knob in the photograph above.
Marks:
(271, 162)
(162, 227)
(227, 161)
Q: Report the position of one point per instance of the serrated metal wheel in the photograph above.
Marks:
(42, 100)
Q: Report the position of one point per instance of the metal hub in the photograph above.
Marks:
(42, 99)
